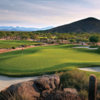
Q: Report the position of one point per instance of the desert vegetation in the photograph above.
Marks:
(63, 58)
(74, 84)
(50, 37)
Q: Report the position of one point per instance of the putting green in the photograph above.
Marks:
(40, 60)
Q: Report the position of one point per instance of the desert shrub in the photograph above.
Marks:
(98, 96)
(83, 95)
(13, 96)
(74, 79)
(38, 44)
(94, 46)
(72, 40)
(13, 47)
(94, 39)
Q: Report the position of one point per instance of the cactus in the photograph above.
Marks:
(92, 87)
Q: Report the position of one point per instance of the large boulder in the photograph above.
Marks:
(47, 82)
(61, 95)
(43, 88)
(33, 89)
(70, 90)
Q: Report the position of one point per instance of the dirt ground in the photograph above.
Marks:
(9, 50)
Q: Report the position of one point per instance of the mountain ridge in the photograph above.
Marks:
(90, 25)
(18, 28)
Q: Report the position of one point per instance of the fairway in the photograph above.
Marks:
(15, 43)
(41, 60)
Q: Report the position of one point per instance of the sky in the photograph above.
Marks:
(43, 13)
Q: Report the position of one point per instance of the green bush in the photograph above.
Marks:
(13, 47)
(72, 40)
(74, 79)
(94, 46)
(83, 95)
(94, 39)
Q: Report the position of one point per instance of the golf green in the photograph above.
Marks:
(41, 60)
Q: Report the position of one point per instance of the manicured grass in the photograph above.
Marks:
(41, 60)
(14, 43)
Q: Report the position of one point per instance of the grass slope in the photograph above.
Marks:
(41, 60)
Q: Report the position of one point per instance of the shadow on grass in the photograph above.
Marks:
(88, 51)
(64, 46)
(13, 54)
(51, 70)
(97, 51)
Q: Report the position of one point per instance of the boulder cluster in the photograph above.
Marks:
(43, 88)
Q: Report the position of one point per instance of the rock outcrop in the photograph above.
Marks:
(61, 95)
(43, 88)
(32, 89)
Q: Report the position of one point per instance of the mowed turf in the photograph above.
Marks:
(41, 60)
(15, 43)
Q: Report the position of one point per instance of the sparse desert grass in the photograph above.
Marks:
(80, 81)
(75, 79)
(13, 96)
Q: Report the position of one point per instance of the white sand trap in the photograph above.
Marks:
(87, 47)
(7, 81)
(92, 69)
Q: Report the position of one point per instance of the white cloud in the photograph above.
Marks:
(46, 12)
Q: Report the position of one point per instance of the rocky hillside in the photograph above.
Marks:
(90, 25)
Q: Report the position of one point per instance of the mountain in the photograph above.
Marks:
(89, 25)
(11, 28)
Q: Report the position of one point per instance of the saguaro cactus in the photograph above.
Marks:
(92, 87)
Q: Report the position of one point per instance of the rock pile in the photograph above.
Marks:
(43, 88)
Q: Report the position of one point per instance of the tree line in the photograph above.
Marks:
(50, 37)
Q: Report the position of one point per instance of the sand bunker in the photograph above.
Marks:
(92, 69)
(7, 81)
(87, 47)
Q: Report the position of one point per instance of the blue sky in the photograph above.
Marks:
(42, 13)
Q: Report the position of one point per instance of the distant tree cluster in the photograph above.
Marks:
(51, 37)
(94, 39)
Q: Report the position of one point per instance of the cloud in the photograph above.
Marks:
(41, 13)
